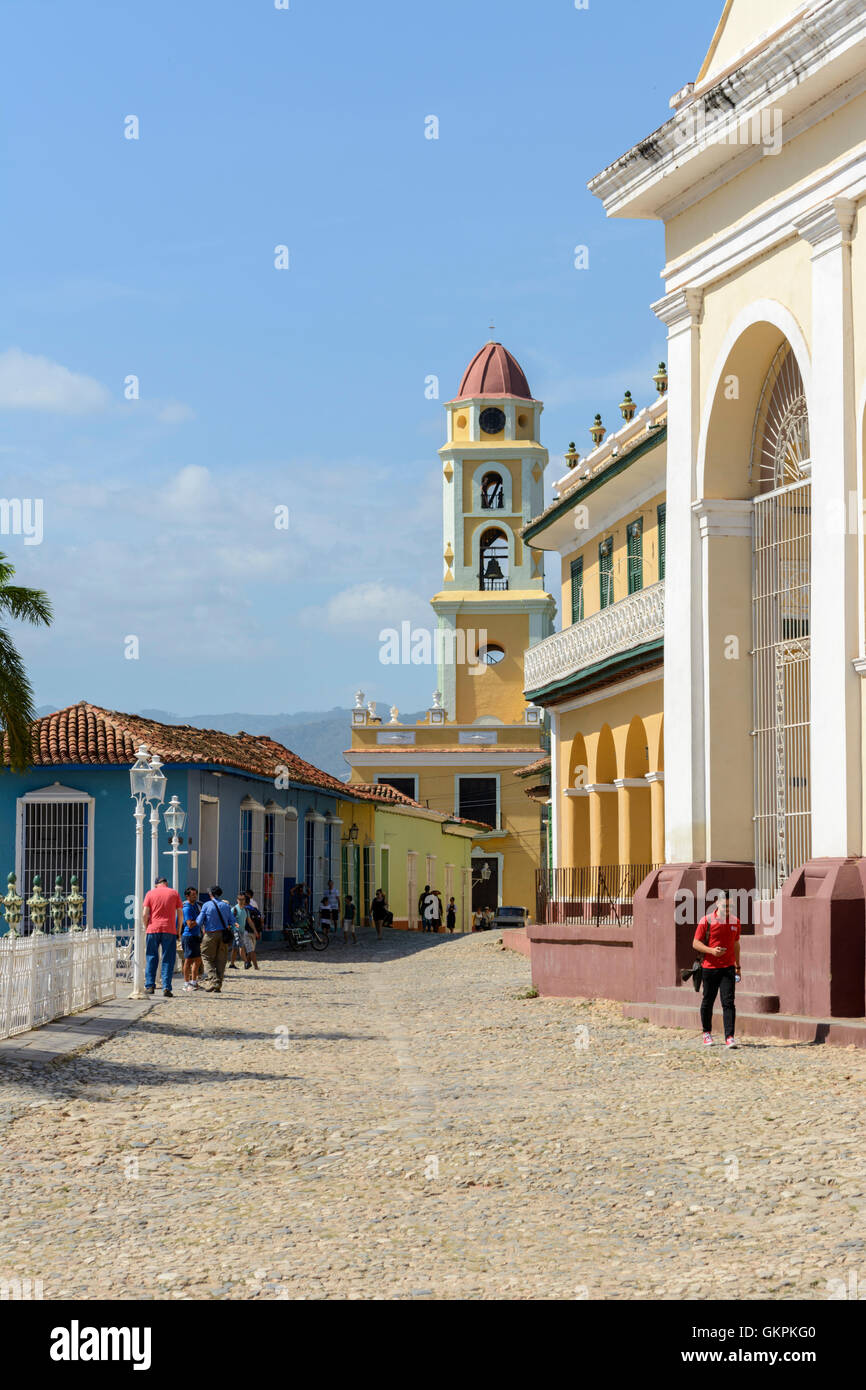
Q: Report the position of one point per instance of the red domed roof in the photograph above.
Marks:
(494, 372)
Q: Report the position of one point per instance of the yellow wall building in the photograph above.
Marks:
(600, 677)
(463, 756)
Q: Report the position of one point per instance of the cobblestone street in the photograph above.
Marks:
(395, 1121)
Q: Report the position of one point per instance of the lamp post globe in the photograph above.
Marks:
(139, 775)
(175, 820)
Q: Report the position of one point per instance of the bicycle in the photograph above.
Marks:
(303, 932)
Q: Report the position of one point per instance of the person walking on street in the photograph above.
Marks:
(215, 920)
(163, 921)
(429, 909)
(451, 915)
(239, 927)
(191, 940)
(379, 912)
(717, 940)
(349, 921)
(326, 916)
(255, 929)
(251, 932)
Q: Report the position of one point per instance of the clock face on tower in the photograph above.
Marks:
(492, 420)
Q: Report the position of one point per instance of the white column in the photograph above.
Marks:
(685, 814)
(835, 695)
(555, 812)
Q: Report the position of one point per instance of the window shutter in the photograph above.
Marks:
(662, 511)
(577, 590)
(605, 572)
(634, 533)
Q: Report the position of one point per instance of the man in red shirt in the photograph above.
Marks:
(717, 939)
(163, 920)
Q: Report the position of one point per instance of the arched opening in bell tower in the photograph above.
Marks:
(493, 560)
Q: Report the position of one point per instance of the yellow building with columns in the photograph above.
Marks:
(600, 677)
(463, 756)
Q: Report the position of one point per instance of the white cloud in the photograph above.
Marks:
(37, 383)
(175, 413)
(372, 604)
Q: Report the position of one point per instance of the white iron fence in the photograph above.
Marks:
(45, 976)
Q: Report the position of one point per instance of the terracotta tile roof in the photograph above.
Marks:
(380, 791)
(540, 765)
(85, 733)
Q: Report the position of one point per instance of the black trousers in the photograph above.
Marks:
(719, 982)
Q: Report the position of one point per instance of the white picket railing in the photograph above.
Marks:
(45, 976)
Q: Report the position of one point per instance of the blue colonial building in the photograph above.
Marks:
(258, 816)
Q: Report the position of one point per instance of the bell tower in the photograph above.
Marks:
(493, 604)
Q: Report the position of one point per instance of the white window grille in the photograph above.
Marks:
(291, 844)
(54, 836)
(430, 870)
(252, 847)
(315, 868)
(781, 591)
(273, 866)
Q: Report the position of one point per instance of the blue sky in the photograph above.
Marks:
(302, 388)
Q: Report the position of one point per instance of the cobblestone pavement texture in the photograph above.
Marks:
(396, 1121)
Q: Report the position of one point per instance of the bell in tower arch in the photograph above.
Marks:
(493, 570)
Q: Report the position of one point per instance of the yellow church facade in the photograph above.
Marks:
(464, 755)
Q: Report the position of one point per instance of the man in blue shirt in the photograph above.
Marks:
(215, 918)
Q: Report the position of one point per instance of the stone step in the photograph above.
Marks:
(752, 1000)
(840, 1032)
(752, 945)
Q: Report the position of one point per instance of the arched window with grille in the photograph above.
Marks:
(781, 593)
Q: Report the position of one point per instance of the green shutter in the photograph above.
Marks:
(634, 533)
(605, 572)
(577, 591)
(661, 525)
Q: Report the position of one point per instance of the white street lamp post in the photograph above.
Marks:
(138, 782)
(175, 820)
(155, 796)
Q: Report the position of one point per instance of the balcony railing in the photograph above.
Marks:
(631, 622)
(595, 894)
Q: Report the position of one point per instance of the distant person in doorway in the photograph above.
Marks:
(334, 904)
(451, 915)
(717, 940)
(163, 922)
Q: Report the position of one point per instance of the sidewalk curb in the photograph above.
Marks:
(74, 1033)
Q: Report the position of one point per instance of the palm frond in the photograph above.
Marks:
(26, 605)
